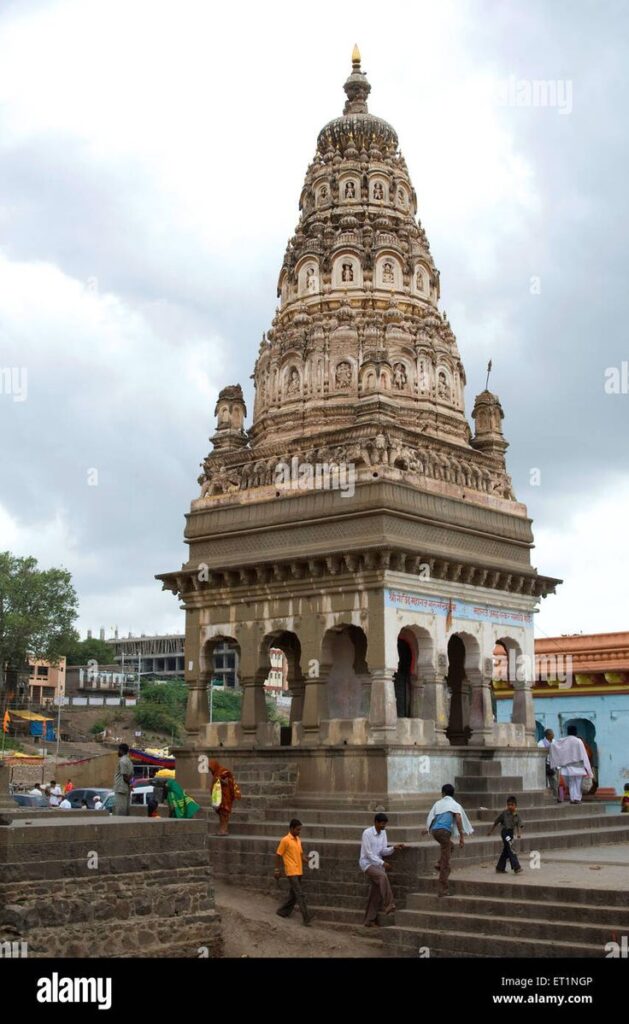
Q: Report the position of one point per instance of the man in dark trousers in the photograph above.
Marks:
(373, 849)
(510, 826)
(291, 855)
(122, 780)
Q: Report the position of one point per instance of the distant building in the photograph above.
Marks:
(81, 679)
(276, 682)
(150, 655)
(580, 680)
(46, 682)
(226, 664)
(163, 657)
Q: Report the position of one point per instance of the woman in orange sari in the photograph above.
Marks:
(229, 793)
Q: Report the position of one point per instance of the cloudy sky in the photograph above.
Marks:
(151, 160)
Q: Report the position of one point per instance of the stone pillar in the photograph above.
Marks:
(198, 707)
(296, 691)
(523, 710)
(432, 706)
(481, 714)
(196, 676)
(253, 710)
(383, 708)
(364, 681)
(315, 705)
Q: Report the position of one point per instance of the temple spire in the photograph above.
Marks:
(357, 88)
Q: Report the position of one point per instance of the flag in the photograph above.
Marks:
(449, 615)
(5, 722)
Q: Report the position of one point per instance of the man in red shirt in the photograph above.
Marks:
(291, 855)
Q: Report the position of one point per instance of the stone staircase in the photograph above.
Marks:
(478, 920)
(336, 888)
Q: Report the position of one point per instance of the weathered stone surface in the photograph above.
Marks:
(151, 892)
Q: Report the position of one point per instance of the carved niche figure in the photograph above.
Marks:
(348, 272)
(378, 190)
(423, 380)
(401, 195)
(387, 273)
(293, 383)
(399, 376)
(343, 375)
(419, 281)
(323, 193)
(312, 284)
(443, 391)
(350, 190)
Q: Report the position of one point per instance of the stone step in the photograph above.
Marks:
(398, 818)
(450, 917)
(535, 894)
(482, 767)
(487, 784)
(498, 904)
(405, 942)
(473, 799)
(553, 810)
(313, 831)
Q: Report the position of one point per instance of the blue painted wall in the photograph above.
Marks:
(609, 715)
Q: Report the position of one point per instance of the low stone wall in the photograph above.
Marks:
(108, 887)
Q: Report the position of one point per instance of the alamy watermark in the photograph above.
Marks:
(316, 476)
(555, 93)
(14, 381)
(617, 379)
(544, 667)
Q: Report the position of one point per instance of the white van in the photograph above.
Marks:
(140, 795)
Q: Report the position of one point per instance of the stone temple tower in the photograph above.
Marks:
(359, 525)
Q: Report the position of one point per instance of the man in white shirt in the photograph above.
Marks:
(374, 847)
(55, 794)
(551, 774)
(65, 805)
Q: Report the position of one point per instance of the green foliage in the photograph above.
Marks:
(98, 727)
(83, 651)
(226, 706)
(275, 715)
(162, 707)
(37, 610)
(10, 743)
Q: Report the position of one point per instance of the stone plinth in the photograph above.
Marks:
(111, 887)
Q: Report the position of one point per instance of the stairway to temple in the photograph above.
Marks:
(336, 887)
(518, 921)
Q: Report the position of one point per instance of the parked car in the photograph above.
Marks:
(30, 800)
(77, 796)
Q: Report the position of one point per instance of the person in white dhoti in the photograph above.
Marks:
(571, 757)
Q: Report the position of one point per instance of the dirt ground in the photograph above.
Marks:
(252, 928)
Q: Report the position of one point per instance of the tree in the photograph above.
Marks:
(82, 651)
(37, 610)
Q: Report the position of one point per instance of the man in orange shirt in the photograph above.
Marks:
(290, 853)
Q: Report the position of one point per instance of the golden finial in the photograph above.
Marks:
(356, 56)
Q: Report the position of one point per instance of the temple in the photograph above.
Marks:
(359, 525)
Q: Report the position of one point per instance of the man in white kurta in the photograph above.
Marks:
(571, 757)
